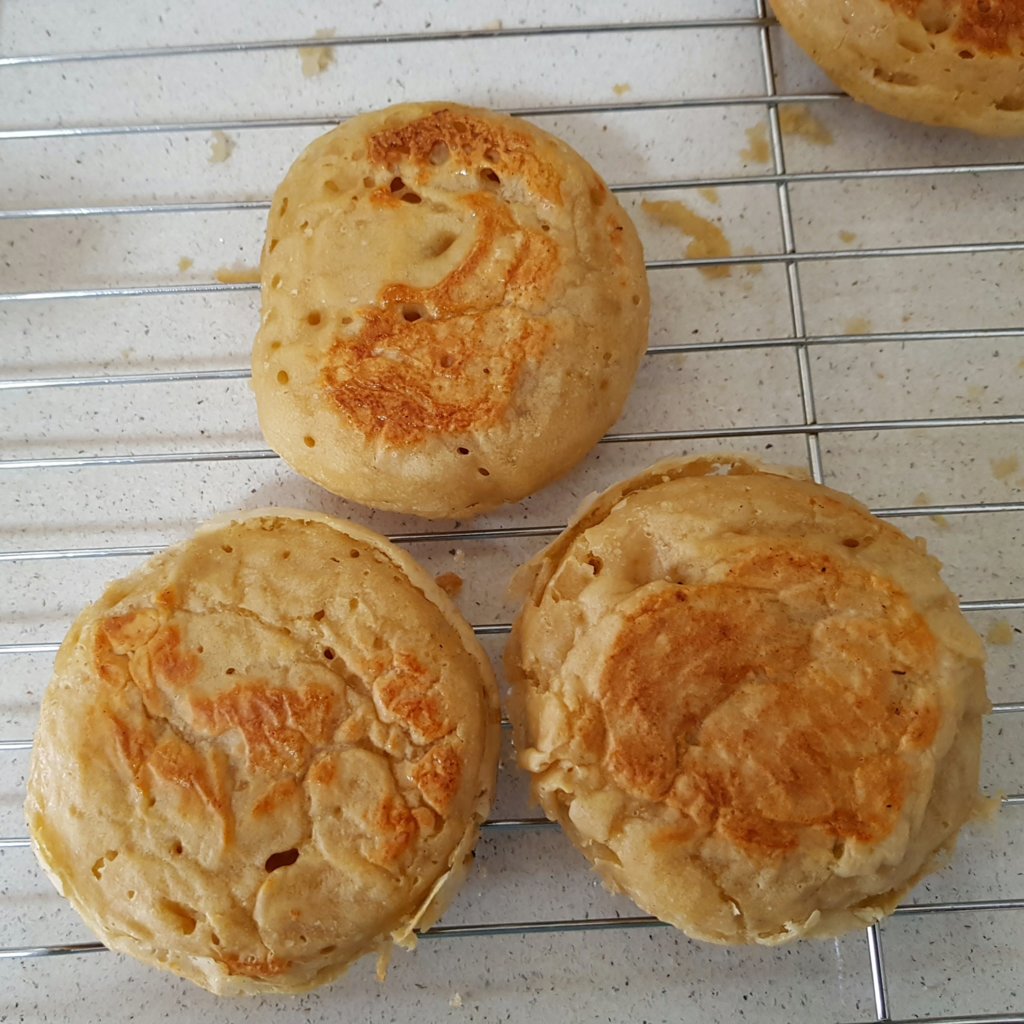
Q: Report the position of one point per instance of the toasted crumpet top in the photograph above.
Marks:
(454, 306)
(755, 707)
(942, 62)
(990, 26)
(265, 754)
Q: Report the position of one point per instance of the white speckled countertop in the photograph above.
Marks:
(631, 102)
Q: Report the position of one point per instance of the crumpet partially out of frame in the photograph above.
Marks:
(753, 706)
(944, 62)
(265, 754)
(454, 309)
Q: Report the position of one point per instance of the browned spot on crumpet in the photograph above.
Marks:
(396, 830)
(648, 709)
(759, 713)
(280, 727)
(437, 774)
(117, 637)
(171, 665)
(127, 632)
(588, 728)
(410, 693)
(134, 744)
(254, 967)
(456, 368)
(988, 26)
(324, 772)
(471, 143)
(110, 666)
(174, 761)
(280, 794)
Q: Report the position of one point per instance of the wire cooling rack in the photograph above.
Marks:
(891, 362)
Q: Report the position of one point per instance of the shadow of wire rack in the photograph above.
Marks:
(867, 320)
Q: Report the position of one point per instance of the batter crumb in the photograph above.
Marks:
(1000, 633)
(707, 240)
(758, 151)
(796, 119)
(238, 275)
(383, 963)
(456, 1001)
(185, 263)
(710, 194)
(941, 522)
(848, 237)
(621, 88)
(450, 583)
(221, 147)
(317, 59)
(1003, 468)
(858, 325)
(922, 498)
(975, 393)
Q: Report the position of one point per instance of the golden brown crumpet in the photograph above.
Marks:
(454, 309)
(265, 754)
(754, 707)
(945, 62)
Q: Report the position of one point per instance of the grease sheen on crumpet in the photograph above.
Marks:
(943, 62)
(754, 707)
(265, 754)
(454, 310)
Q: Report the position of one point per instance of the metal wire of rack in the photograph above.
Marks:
(800, 339)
